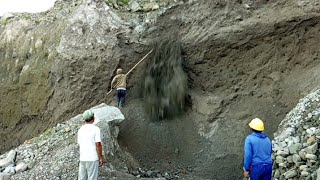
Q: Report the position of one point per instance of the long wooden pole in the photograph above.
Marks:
(133, 68)
(139, 62)
(109, 92)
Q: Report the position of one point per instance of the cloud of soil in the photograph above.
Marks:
(165, 82)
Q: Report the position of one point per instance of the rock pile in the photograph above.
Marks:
(155, 174)
(296, 143)
(142, 5)
(55, 153)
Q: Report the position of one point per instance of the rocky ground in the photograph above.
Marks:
(55, 153)
(295, 146)
(243, 59)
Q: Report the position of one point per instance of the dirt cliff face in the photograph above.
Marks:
(54, 65)
(243, 59)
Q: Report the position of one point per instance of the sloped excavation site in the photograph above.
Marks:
(260, 70)
(258, 75)
(215, 66)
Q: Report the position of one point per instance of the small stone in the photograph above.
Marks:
(283, 144)
(290, 174)
(313, 129)
(151, 6)
(311, 140)
(290, 159)
(30, 164)
(9, 159)
(303, 167)
(298, 164)
(282, 165)
(246, 6)
(21, 167)
(139, 29)
(312, 149)
(293, 149)
(134, 6)
(296, 139)
(279, 159)
(239, 18)
(311, 156)
(276, 173)
(10, 170)
(302, 154)
(149, 173)
(304, 173)
(283, 153)
(67, 129)
(296, 158)
(312, 161)
(276, 147)
(38, 43)
(310, 132)
(166, 175)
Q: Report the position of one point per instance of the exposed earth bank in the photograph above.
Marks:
(243, 59)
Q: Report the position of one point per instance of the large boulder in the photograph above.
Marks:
(9, 159)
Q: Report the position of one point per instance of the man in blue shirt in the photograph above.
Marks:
(257, 153)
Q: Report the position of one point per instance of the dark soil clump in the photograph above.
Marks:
(166, 82)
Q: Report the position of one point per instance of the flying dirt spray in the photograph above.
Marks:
(165, 82)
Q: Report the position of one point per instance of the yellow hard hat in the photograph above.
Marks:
(257, 124)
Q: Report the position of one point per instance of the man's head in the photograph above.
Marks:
(256, 125)
(88, 116)
(119, 71)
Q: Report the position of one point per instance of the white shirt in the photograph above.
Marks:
(88, 136)
(121, 88)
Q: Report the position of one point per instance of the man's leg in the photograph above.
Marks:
(93, 170)
(267, 172)
(123, 97)
(118, 97)
(82, 171)
(256, 172)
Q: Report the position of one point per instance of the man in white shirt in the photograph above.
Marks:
(89, 140)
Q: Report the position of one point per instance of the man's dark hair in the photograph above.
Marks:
(256, 131)
(89, 120)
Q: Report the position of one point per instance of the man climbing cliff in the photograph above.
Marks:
(257, 153)
(119, 82)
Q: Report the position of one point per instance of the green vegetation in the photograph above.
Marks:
(123, 2)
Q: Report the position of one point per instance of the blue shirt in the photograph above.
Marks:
(257, 150)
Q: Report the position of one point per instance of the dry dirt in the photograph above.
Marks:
(240, 62)
(237, 70)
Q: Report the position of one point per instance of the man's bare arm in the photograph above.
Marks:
(99, 151)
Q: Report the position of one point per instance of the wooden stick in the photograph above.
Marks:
(133, 68)
(138, 62)
(109, 92)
